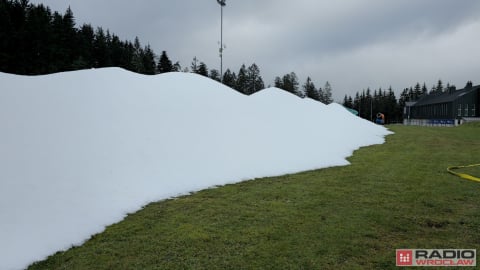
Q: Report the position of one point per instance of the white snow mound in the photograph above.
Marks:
(79, 150)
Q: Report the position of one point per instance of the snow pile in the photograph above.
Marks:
(80, 150)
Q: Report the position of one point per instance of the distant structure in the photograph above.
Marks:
(449, 108)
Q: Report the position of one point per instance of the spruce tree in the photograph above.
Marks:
(403, 97)
(439, 86)
(148, 61)
(345, 101)
(411, 94)
(202, 69)
(289, 83)
(327, 96)
(241, 84)
(38, 28)
(214, 75)
(69, 41)
(424, 89)
(164, 63)
(229, 79)
(310, 90)
(278, 83)
(86, 36)
(254, 81)
(100, 48)
(194, 65)
(137, 60)
(417, 91)
(177, 67)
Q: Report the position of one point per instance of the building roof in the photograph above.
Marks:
(410, 103)
(445, 97)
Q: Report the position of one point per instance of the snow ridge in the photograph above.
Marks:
(79, 150)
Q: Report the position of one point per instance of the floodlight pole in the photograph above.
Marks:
(222, 4)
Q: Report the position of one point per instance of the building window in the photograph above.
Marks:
(473, 110)
(466, 109)
(459, 109)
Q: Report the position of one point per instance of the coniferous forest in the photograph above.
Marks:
(35, 40)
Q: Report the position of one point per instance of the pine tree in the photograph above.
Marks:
(321, 95)
(118, 53)
(417, 91)
(327, 96)
(177, 67)
(214, 75)
(202, 69)
(345, 101)
(128, 56)
(390, 105)
(289, 83)
(310, 90)
(100, 48)
(411, 94)
(242, 79)
(229, 79)
(424, 89)
(86, 36)
(278, 82)
(404, 97)
(38, 28)
(254, 81)
(164, 63)
(348, 102)
(439, 86)
(194, 65)
(357, 104)
(148, 61)
(69, 37)
(137, 59)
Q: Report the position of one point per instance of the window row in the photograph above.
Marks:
(466, 110)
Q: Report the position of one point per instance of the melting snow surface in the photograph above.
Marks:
(79, 150)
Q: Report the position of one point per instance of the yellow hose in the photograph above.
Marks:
(464, 175)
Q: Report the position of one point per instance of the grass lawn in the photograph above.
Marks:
(395, 195)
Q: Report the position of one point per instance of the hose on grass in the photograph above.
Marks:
(464, 175)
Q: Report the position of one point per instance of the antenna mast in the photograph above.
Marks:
(222, 4)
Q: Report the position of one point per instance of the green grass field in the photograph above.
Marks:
(395, 195)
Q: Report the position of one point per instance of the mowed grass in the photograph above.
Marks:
(395, 195)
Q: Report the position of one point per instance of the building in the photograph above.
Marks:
(452, 107)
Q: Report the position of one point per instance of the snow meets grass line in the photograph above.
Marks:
(79, 150)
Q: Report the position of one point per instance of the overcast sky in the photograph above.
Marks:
(353, 44)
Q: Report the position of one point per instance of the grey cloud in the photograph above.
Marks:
(352, 43)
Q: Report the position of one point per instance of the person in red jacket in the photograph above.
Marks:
(380, 119)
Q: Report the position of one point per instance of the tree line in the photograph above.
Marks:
(368, 104)
(34, 40)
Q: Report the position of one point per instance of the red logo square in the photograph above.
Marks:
(404, 257)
